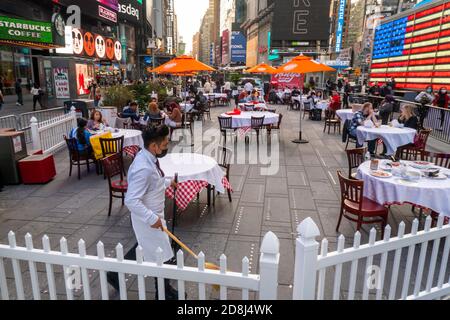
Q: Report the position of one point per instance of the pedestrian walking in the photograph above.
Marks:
(37, 93)
(18, 89)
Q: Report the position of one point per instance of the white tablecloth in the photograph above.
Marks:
(345, 114)
(217, 95)
(429, 193)
(131, 137)
(193, 166)
(186, 107)
(297, 98)
(392, 137)
(322, 105)
(245, 118)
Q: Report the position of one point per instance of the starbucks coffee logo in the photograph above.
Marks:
(59, 24)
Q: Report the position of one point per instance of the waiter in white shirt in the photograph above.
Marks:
(145, 199)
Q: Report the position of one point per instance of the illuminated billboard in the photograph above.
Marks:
(414, 48)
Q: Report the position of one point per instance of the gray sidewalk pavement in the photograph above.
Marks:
(305, 185)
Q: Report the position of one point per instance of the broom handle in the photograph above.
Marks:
(182, 245)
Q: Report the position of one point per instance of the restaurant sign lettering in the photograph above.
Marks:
(25, 30)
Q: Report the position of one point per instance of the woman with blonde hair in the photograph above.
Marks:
(408, 118)
(153, 112)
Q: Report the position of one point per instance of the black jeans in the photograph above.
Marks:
(345, 103)
(37, 98)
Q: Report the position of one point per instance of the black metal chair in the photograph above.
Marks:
(226, 126)
(346, 136)
(257, 124)
(224, 160)
(79, 158)
(155, 121)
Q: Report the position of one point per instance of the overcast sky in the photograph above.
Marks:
(190, 13)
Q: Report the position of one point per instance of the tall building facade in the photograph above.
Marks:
(196, 46)
(210, 44)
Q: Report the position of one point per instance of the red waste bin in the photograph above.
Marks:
(37, 169)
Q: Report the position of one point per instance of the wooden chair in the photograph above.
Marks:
(257, 124)
(355, 158)
(331, 121)
(112, 146)
(439, 159)
(113, 167)
(79, 158)
(412, 152)
(357, 208)
(224, 160)
(225, 124)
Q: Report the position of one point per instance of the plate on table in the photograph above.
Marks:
(420, 164)
(381, 174)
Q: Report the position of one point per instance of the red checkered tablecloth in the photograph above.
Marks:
(188, 190)
(131, 151)
(243, 131)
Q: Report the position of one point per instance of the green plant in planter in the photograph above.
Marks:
(141, 94)
(117, 96)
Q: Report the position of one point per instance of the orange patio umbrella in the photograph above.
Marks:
(182, 65)
(262, 68)
(301, 65)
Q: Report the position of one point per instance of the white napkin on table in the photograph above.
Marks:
(369, 124)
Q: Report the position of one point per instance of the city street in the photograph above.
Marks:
(305, 185)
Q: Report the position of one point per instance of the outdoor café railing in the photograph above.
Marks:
(22, 121)
(441, 128)
(410, 266)
(48, 135)
(82, 273)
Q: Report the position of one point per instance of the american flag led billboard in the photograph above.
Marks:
(414, 49)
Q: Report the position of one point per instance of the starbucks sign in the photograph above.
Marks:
(25, 30)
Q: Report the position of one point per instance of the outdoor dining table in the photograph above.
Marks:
(322, 105)
(195, 172)
(428, 193)
(244, 119)
(391, 136)
(345, 114)
(131, 137)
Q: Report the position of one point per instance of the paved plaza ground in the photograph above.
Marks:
(305, 185)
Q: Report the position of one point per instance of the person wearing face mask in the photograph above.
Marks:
(145, 199)
(424, 98)
(441, 100)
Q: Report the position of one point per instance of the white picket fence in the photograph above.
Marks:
(48, 135)
(312, 267)
(382, 273)
(79, 263)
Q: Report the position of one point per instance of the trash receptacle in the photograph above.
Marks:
(12, 149)
(81, 108)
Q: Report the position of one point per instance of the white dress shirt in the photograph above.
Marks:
(145, 199)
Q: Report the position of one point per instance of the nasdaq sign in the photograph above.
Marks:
(340, 25)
